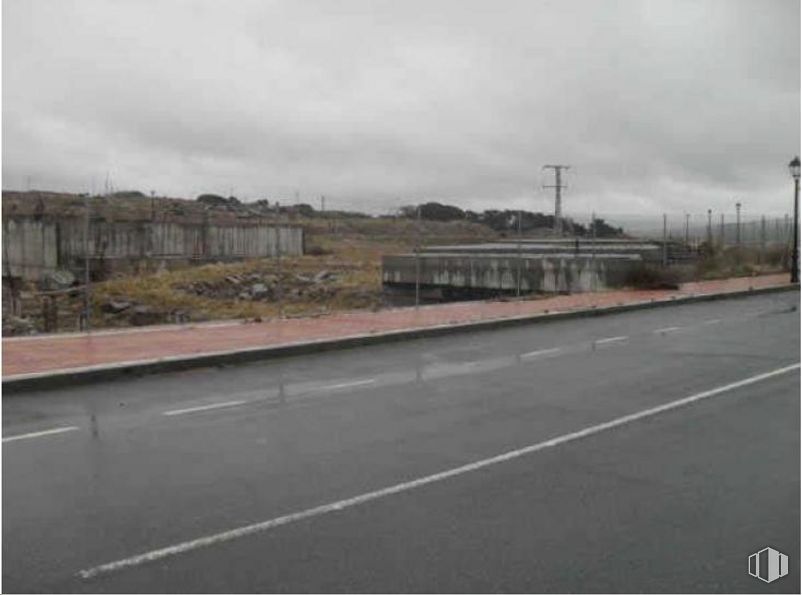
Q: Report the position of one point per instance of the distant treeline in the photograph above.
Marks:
(506, 220)
(500, 221)
(264, 206)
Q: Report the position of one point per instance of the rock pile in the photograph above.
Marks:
(14, 326)
(135, 314)
(266, 287)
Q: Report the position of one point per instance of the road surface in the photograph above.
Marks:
(648, 451)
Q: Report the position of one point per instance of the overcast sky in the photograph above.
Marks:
(668, 105)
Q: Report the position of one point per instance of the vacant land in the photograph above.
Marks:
(341, 270)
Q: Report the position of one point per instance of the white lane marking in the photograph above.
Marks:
(348, 384)
(668, 329)
(712, 321)
(204, 408)
(194, 544)
(42, 433)
(314, 396)
(541, 352)
(611, 340)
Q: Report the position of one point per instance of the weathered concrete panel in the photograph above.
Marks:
(648, 251)
(501, 272)
(30, 247)
(33, 247)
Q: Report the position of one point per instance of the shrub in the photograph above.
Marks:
(647, 276)
(317, 250)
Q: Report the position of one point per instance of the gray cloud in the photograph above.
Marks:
(672, 105)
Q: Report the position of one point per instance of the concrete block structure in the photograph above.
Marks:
(34, 247)
(542, 266)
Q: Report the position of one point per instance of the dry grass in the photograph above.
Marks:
(741, 262)
(351, 249)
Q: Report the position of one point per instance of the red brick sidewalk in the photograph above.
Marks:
(26, 355)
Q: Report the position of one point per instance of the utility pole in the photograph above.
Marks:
(558, 186)
(709, 229)
(721, 231)
(738, 224)
(665, 239)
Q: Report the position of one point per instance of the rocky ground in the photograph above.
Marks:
(341, 271)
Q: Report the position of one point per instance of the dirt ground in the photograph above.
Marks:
(341, 270)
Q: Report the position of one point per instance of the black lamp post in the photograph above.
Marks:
(794, 169)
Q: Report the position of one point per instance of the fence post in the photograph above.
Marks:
(87, 318)
(518, 285)
(594, 274)
(786, 240)
(279, 286)
(417, 263)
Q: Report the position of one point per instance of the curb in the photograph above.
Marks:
(106, 372)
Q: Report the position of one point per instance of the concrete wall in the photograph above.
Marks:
(499, 272)
(648, 251)
(32, 247)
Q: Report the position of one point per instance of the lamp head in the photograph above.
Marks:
(793, 167)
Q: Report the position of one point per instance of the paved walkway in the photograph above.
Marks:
(46, 353)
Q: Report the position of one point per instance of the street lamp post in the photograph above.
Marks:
(794, 169)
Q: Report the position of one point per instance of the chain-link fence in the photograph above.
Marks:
(754, 232)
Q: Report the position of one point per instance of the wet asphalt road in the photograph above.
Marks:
(671, 502)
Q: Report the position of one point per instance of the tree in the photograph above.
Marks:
(214, 200)
(604, 230)
(433, 211)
